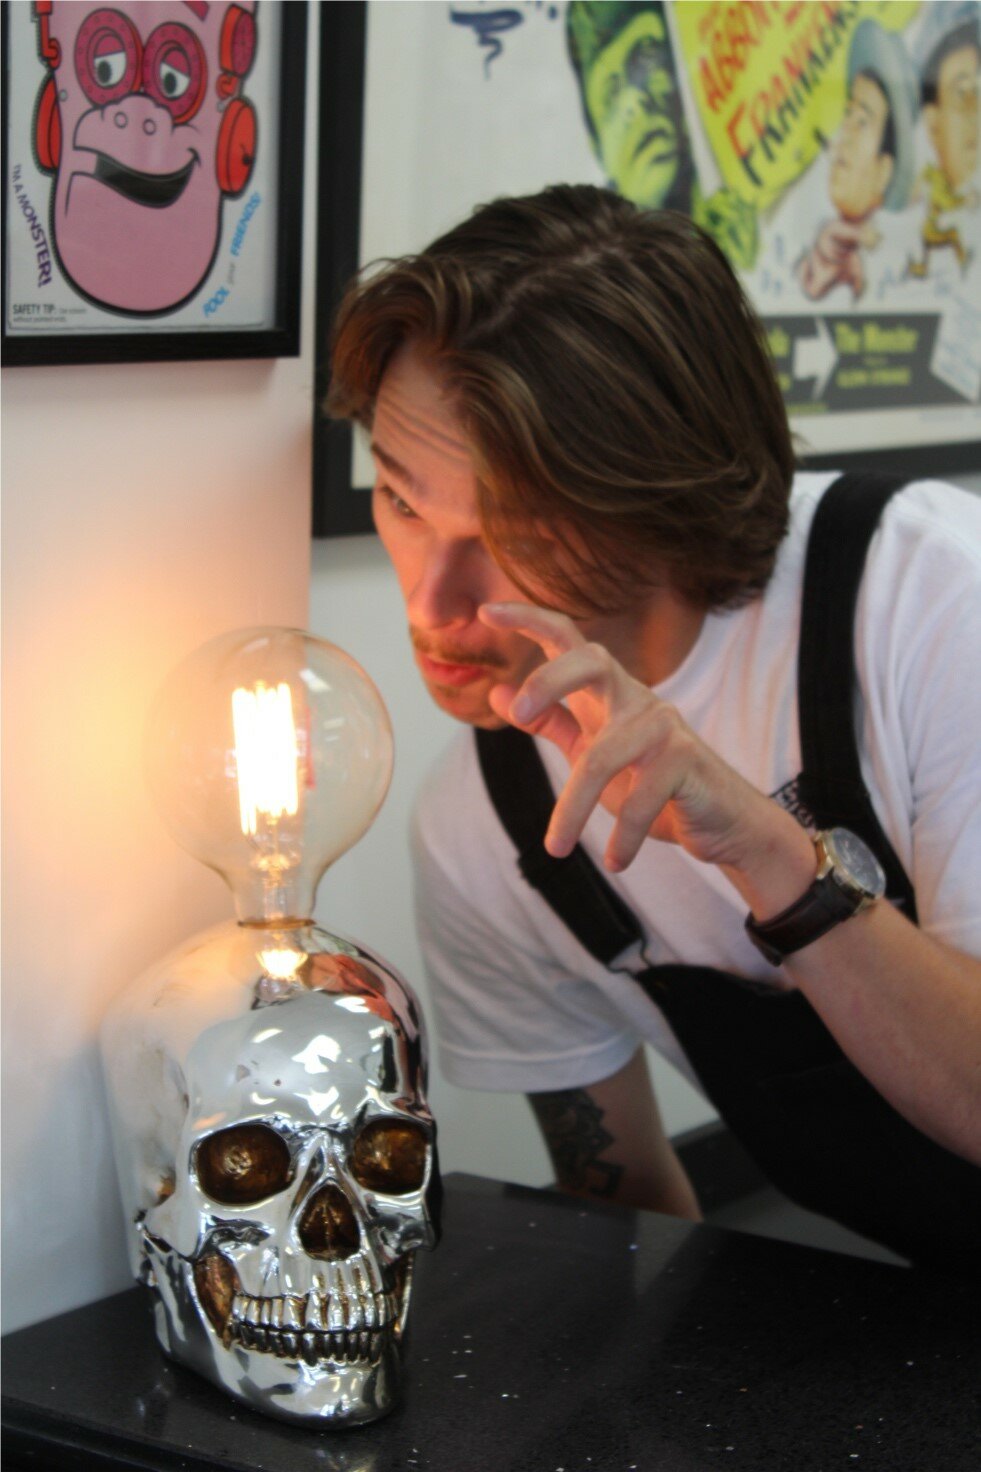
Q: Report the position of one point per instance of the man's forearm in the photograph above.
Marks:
(904, 1008)
(577, 1140)
(608, 1141)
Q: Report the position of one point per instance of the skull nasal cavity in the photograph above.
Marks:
(328, 1227)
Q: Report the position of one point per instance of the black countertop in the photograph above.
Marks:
(547, 1335)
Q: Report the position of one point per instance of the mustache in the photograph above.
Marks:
(448, 653)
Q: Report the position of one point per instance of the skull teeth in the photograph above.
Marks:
(317, 1327)
(345, 1347)
(314, 1316)
(292, 1313)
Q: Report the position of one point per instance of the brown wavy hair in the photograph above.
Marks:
(615, 387)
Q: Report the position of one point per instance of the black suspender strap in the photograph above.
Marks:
(518, 785)
(831, 784)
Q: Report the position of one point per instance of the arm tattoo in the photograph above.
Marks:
(572, 1125)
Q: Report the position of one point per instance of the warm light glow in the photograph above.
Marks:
(265, 753)
(281, 964)
(269, 752)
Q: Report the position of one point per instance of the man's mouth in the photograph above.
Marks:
(445, 672)
(449, 666)
(156, 191)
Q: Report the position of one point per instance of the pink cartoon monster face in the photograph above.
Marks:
(142, 124)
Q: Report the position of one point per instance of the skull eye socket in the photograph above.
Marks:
(390, 1157)
(243, 1164)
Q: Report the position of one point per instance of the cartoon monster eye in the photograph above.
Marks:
(175, 72)
(107, 56)
(108, 64)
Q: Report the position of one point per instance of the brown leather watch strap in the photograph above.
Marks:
(823, 906)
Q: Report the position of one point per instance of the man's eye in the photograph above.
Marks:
(400, 507)
(641, 61)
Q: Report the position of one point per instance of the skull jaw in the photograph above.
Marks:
(326, 1393)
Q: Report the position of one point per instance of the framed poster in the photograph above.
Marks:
(831, 149)
(152, 176)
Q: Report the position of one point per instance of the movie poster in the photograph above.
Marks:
(831, 149)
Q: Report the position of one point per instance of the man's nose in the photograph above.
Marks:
(447, 591)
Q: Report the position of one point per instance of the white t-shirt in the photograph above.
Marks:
(520, 1005)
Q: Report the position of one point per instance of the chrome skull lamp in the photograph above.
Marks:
(266, 1080)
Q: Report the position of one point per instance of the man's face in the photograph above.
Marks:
(952, 122)
(860, 172)
(632, 99)
(425, 509)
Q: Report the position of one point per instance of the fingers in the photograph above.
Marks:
(499, 699)
(572, 664)
(553, 632)
(615, 757)
(635, 771)
(555, 723)
(616, 735)
(586, 667)
(571, 667)
(649, 795)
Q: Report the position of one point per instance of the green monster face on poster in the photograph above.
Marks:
(622, 56)
(630, 95)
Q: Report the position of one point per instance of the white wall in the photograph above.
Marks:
(146, 508)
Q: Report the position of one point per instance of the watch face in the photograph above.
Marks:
(861, 866)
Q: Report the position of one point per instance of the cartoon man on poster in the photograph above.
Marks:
(949, 52)
(141, 123)
(871, 161)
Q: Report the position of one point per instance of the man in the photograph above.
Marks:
(951, 51)
(631, 99)
(871, 161)
(585, 486)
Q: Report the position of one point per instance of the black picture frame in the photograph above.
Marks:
(916, 462)
(341, 508)
(146, 342)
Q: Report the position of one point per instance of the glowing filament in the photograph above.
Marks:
(265, 753)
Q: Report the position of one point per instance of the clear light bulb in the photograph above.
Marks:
(269, 752)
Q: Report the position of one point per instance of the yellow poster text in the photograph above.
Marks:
(769, 80)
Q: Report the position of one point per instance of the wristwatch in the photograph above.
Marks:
(849, 879)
